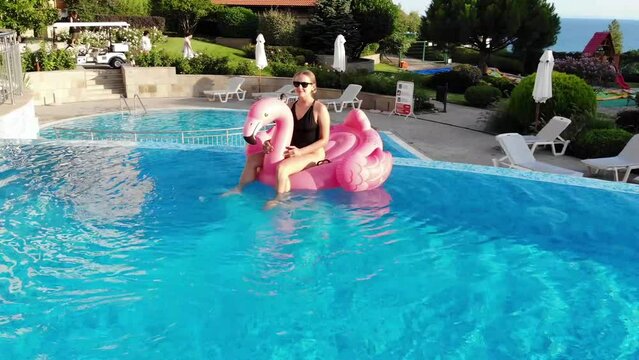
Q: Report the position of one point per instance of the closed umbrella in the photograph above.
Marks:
(260, 59)
(543, 82)
(339, 57)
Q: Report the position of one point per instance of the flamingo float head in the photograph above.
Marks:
(262, 113)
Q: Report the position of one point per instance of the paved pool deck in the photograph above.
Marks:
(454, 136)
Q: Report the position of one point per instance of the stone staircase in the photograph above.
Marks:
(103, 84)
(68, 86)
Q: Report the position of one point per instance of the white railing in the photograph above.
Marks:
(11, 84)
(213, 137)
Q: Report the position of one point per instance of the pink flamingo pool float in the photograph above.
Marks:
(355, 150)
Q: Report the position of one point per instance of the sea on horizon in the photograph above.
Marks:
(575, 33)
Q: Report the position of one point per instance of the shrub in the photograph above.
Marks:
(422, 100)
(599, 121)
(283, 54)
(48, 60)
(630, 71)
(154, 58)
(370, 49)
(237, 22)
(572, 97)
(140, 22)
(600, 143)
(245, 68)
(279, 27)
(591, 69)
(504, 61)
(504, 85)
(482, 95)
(459, 79)
(207, 64)
(628, 120)
(282, 69)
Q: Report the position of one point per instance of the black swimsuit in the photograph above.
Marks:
(306, 129)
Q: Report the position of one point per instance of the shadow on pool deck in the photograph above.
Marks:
(454, 136)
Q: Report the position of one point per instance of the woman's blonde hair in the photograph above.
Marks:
(310, 75)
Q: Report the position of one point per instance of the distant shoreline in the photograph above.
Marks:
(576, 32)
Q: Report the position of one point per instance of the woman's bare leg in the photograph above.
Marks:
(249, 174)
(288, 167)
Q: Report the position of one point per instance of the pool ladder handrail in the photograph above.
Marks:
(123, 101)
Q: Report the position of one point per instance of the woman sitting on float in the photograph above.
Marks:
(311, 132)
(287, 155)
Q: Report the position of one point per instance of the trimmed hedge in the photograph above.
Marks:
(202, 64)
(237, 22)
(600, 143)
(283, 54)
(482, 95)
(504, 85)
(572, 98)
(143, 22)
(459, 79)
(504, 61)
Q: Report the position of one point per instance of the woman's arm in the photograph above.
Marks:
(324, 122)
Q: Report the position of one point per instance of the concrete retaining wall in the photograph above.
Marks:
(18, 120)
(159, 82)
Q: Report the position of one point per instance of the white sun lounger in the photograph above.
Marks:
(287, 90)
(233, 88)
(519, 156)
(550, 135)
(349, 96)
(628, 160)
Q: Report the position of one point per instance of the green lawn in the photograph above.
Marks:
(386, 68)
(174, 46)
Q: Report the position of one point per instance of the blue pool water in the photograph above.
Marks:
(172, 120)
(165, 120)
(131, 253)
(433, 71)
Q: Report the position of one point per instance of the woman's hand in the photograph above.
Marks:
(292, 151)
(267, 147)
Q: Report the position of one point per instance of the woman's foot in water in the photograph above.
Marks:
(278, 200)
(234, 191)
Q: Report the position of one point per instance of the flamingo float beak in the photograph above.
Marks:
(251, 128)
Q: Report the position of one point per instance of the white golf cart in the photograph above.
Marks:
(114, 54)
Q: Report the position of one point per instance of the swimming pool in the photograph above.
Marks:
(433, 71)
(130, 252)
(162, 125)
(153, 121)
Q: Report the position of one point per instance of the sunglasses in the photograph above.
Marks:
(304, 84)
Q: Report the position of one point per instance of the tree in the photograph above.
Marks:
(399, 41)
(617, 35)
(88, 9)
(412, 21)
(329, 19)
(21, 15)
(377, 17)
(536, 33)
(186, 13)
(132, 7)
(485, 25)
